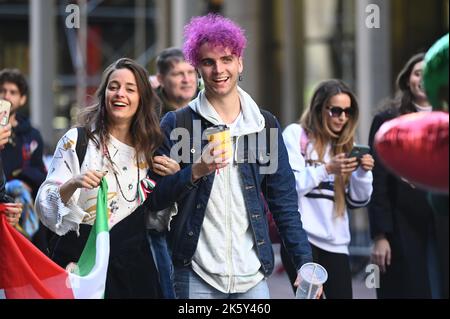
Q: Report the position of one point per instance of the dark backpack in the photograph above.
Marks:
(82, 143)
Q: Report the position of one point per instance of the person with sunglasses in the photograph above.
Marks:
(327, 181)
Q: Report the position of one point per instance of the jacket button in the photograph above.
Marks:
(191, 233)
(199, 206)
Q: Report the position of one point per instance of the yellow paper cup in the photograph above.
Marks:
(220, 133)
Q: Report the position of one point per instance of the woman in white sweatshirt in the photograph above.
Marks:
(327, 181)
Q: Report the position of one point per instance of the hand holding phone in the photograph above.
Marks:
(359, 151)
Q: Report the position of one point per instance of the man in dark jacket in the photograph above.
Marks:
(22, 155)
(177, 80)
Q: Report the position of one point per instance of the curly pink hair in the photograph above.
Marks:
(214, 30)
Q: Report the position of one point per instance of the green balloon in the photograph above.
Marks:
(435, 74)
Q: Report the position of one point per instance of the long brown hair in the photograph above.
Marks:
(321, 135)
(145, 130)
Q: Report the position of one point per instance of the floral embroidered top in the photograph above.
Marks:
(125, 191)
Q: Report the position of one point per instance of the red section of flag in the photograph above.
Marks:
(25, 272)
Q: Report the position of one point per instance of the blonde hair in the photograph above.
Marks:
(321, 135)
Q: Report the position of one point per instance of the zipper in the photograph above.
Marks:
(228, 221)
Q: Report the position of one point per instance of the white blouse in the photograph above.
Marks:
(81, 207)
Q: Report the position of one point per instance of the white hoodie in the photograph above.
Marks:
(324, 229)
(226, 255)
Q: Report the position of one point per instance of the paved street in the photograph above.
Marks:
(280, 287)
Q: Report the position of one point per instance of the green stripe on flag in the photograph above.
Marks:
(87, 259)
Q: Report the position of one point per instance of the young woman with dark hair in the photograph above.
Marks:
(122, 132)
(410, 242)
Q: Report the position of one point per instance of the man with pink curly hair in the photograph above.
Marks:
(219, 238)
(216, 31)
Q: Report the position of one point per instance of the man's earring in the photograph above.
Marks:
(240, 77)
(199, 81)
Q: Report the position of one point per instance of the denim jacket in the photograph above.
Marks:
(192, 198)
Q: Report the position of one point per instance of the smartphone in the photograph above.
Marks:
(5, 108)
(359, 151)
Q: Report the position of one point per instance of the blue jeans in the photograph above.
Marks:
(160, 252)
(189, 285)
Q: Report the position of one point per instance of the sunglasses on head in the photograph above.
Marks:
(336, 111)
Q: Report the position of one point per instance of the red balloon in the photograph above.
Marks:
(415, 147)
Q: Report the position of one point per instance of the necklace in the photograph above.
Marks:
(114, 170)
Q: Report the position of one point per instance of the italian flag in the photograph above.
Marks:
(26, 273)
